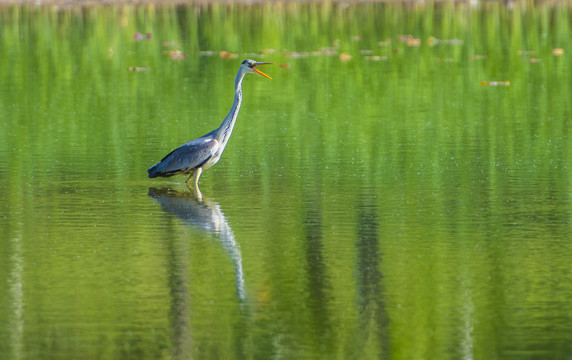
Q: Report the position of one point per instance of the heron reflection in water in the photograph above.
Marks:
(207, 215)
(200, 154)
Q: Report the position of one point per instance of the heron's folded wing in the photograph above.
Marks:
(188, 156)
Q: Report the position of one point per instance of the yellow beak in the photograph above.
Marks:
(260, 72)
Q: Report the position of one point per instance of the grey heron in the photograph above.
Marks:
(200, 154)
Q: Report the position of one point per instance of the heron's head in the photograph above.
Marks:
(250, 67)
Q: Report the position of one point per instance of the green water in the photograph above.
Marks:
(375, 208)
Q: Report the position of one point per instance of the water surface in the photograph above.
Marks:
(376, 199)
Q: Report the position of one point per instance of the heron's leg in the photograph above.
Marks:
(189, 179)
(198, 173)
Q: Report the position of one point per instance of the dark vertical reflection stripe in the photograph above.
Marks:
(317, 280)
(180, 311)
(372, 304)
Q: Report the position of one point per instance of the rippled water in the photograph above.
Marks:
(411, 201)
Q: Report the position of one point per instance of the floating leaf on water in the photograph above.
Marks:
(409, 40)
(138, 36)
(478, 57)
(376, 58)
(329, 51)
(298, 54)
(495, 83)
(345, 57)
(284, 66)
(453, 42)
(558, 52)
(252, 55)
(138, 69)
(432, 41)
(386, 42)
(403, 38)
(227, 55)
(413, 42)
(170, 43)
(176, 54)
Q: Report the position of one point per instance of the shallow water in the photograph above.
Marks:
(389, 207)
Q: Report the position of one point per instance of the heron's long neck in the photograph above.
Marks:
(225, 129)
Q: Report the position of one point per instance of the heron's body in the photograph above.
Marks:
(200, 154)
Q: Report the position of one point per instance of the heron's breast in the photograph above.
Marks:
(213, 160)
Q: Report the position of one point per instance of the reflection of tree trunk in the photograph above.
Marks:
(16, 291)
(180, 301)
(317, 274)
(370, 279)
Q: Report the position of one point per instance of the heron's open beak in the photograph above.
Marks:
(260, 72)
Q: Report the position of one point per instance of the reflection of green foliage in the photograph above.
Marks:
(459, 183)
